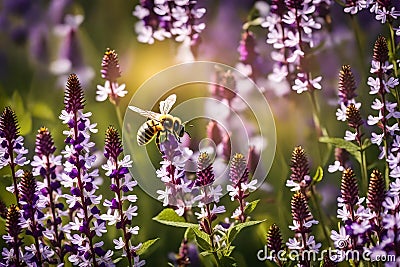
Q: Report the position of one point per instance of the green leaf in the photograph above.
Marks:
(146, 245)
(117, 260)
(25, 122)
(42, 111)
(227, 261)
(251, 206)
(232, 232)
(319, 174)
(169, 217)
(367, 143)
(203, 241)
(352, 148)
(17, 104)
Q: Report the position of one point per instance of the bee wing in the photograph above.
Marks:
(146, 113)
(166, 105)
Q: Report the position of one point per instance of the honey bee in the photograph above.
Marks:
(158, 123)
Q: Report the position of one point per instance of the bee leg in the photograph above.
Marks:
(158, 142)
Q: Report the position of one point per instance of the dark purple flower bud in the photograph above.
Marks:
(89, 187)
(113, 144)
(73, 98)
(238, 172)
(299, 164)
(74, 173)
(44, 143)
(300, 211)
(274, 239)
(99, 251)
(95, 210)
(349, 187)
(75, 191)
(110, 66)
(381, 50)
(376, 191)
(114, 204)
(295, 4)
(327, 262)
(28, 188)
(353, 116)
(342, 156)
(13, 227)
(205, 173)
(9, 128)
(114, 187)
(125, 188)
(347, 85)
(122, 171)
(278, 7)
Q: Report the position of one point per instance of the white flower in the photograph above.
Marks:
(335, 167)
(110, 89)
(349, 136)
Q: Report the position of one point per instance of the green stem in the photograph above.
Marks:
(364, 171)
(360, 47)
(119, 117)
(320, 215)
(321, 131)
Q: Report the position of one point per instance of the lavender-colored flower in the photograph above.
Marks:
(32, 220)
(12, 150)
(110, 72)
(302, 223)
(387, 117)
(188, 255)
(47, 165)
(78, 176)
(169, 19)
(172, 174)
(121, 182)
(291, 26)
(12, 254)
(70, 58)
(241, 185)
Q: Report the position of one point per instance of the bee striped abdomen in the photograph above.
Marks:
(147, 131)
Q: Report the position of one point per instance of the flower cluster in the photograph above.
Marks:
(110, 72)
(81, 180)
(13, 254)
(353, 235)
(32, 220)
(121, 182)
(161, 19)
(172, 174)
(385, 11)
(241, 185)
(47, 165)
(381, 84)
(291, 25)
(12, 150)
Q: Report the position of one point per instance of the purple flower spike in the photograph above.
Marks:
(117, 171)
